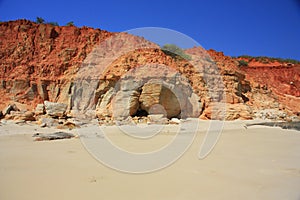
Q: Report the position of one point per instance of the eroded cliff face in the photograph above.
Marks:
(272, 86)
(41, 62)
(37, 61)
(281, 82)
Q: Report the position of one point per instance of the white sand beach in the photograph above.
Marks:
(254, 163)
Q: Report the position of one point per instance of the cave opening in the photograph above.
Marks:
(140, 113)
(155, 99)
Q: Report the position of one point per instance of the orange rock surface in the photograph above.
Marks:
(39, 62)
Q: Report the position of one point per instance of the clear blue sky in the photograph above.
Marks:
(253, 27)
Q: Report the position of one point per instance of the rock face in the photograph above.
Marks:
(37, 61)
(139, 93)
(125, 104)
(154, 94)
(264, 86)
(219, 111)
(281, 82)
(64, 65)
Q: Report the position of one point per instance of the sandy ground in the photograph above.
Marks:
(254, 163)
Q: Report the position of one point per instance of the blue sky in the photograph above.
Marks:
(252, 27)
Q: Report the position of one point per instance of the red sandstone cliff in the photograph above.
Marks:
(39, 62)
(36, 59)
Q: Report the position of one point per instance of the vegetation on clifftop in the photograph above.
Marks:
(243, 63)
(175, 51)
(265, 59)
(40, 20)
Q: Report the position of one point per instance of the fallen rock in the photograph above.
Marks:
(67, 125)
(17, 115)
(20, 106)
(106, 122)
(154, 94)
(52, 136)
(47, 122)
(70, 125)
(9, 108)
(55, 109)
(20, 121)
(43, 125)
(9, 117)
(125, 104)
(26, 116)
(40, 109)
(272, 114)
(158, 119)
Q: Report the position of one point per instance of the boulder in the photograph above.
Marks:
(55, 109)
(40, 109)
(45, 121)
(150, 95)
(19, 122)
(67, 125)
(26, 116)
(52, 136)
(226, 111)
(125, 104)
(154, 94)
(70, 124)
(21, 106)
(238, 111)
(20, 116)
(9, 108)
(158, 119)
(170, 102)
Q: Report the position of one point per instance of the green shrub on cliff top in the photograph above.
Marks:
(243, 63)
(39, 20)
(53, 23)
(175, 51)
(71, 23)
(265, 59)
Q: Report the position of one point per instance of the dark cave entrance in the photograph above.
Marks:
(140, 113)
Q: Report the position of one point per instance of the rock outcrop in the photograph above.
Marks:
(55, 109)
(266, 85)
(38, 61)
(85, 71)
